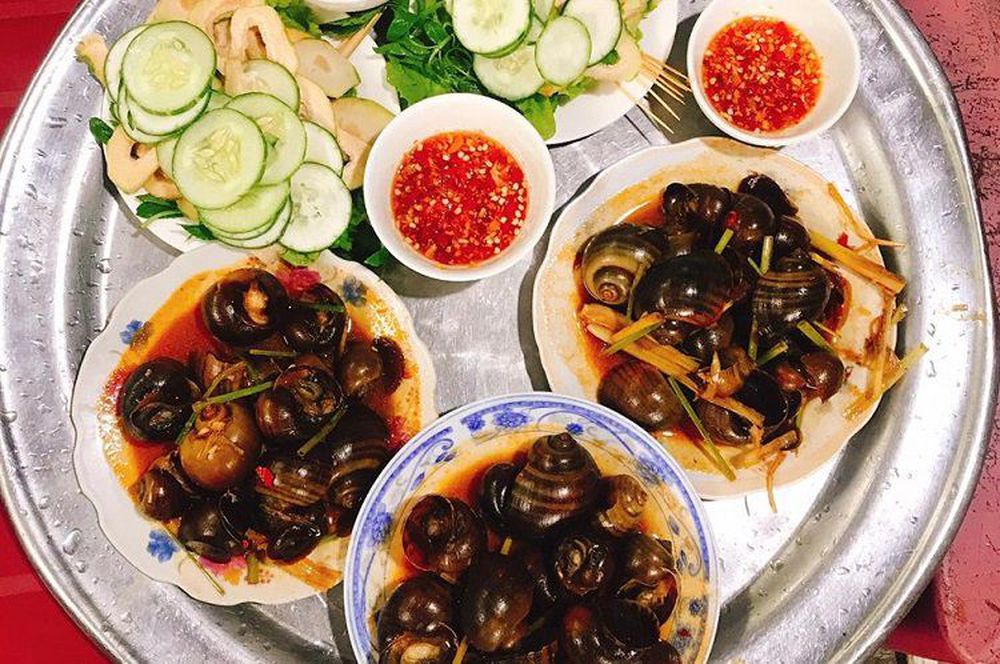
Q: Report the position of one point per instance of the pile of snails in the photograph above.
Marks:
(547, 562)
(729, 275)
(272, 447)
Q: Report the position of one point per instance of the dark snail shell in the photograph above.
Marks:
(245, 306)
(293, 531)
(497, 599)
(612, 260)
(712, 203)
(442, 535)
(360, 368)
(295, 542)
(660, 598)
(302, 400)
(760, 392)
(583, 564)
(204, 531)
(694, 288)
(435, 646)
(640, 393)
(421, 605)
(795, 289)
(159, 495)
(156, 400)
(299, 481)
(323, 326)
(703, 343)
(672, 332)
(207, 367)
(679, 204)
(729, 369)
(817, 374)
(611, 631)
(222, 446)
(557, 486)
(770, 192)
(494, 494)
(548, 590)
(624, 500)
(646, 560)
(751, 220)
(358, 449)
(789, 236)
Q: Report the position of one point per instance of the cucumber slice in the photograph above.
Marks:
(269, 77)
(269, 237)
(542, 8)
(321, 209)
(218, 100)
(511, 77)
(165, 125)
(123, 112)
(113, 63)
(165, 155)
(322, 148)
(490, 26)
(282, 129)
(219, 158)
(258, 208)
(603, 20)
(168, 67)
(535, 31)
(563, 50)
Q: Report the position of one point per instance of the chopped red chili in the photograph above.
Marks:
(762, 74)
(459, 198)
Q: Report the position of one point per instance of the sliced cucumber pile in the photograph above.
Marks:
(563, 40)
(255, 172)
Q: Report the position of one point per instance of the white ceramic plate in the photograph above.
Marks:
(371, 69)
(477, 431)
(609, 198)
(144, 542)
(595, 110)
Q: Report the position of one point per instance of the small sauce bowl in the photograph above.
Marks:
(456, 113)
(821, 23)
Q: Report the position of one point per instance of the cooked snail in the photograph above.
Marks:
(642, 394)
(817, 374)
(712, 203)
(245, 306)
(358, 450)
(160, 495)
(205, 531)
(557, 486)
(316, 321)
(623, 503)
(303, 398)
(612, 260)
(789, 236)
(497, 599)
(420, 606)
(610, 632)
(795, 289)
(770, 192)
(156, 400)
(751, 220)
(705, 342)
(727, 371)
(222, 446)
(694, 288)
(583, 565)
(442, 535)
(494, 494)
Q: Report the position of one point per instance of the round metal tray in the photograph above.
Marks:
(821, 581)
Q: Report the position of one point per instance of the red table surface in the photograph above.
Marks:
(957, 618)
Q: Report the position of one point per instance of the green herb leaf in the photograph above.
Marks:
(152, 210)
(101, 130)
(296, 14)
(611, 58)
(299, 259)
(540, 112)
(351, 24)
(379, 259)
(199, 231)
(411, 84)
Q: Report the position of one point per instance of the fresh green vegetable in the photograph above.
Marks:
(351, 24)
(297, 15)
(101, 130)
(299, 259)
(152, 208)
(359, 242)
(198, 231)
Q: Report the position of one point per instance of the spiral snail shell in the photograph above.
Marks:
(612, 260)
(695, 288)
(795, 289)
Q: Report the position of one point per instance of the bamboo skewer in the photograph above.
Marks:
(647, 112)
(349, 45)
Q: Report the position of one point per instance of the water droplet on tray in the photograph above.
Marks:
(43, 502)
(9, 416)
(72, 542)
(104, 266)
(80, 566)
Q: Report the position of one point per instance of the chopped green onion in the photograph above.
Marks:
(754, 266)
(709, 448)
(187, 426)
(263, 352)
(332, 307)
(813, 335)
(239, 394)
(197, 563)
(727, 235)
(322, 433)
(752, 344)
(222, 375)
(765, 254)
(776, 350)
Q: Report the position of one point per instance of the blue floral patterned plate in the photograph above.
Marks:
(491, 430)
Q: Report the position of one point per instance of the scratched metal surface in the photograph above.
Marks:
(820, 581)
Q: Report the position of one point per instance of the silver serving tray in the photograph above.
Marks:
(822, 581)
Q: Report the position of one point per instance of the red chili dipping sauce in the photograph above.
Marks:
(459, 198)
(762, 74)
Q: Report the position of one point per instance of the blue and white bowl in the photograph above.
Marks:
(491, 430)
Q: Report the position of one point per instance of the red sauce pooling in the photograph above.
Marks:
(459, 198)
(762, 74)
